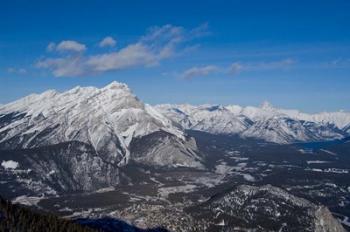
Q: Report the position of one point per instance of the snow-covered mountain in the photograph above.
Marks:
(265, 122)
(84, 135)
(213, 119)
(340, 118)
(108, 118)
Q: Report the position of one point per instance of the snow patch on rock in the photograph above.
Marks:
(9, 164)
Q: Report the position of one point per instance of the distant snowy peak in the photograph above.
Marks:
(265, 122)
(287, 130)
(211, 118)
(266, 110)
(340, 119)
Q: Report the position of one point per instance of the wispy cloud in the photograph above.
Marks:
(199, 71)
(20, 71)
(132, 55)
(107, 42)
(51, 47)
(236, 68)
(338, 63)
(279, 64)
(66, 46)
(157, 44)
(60, 67)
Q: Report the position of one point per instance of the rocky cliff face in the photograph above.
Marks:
(325, 222)
(164, 149)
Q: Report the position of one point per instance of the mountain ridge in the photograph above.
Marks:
(259, 122)
(85, 114)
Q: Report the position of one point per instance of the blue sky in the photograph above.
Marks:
(293, 54)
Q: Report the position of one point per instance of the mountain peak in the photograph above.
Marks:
(116, 85)
(49, 93)
(266, 105)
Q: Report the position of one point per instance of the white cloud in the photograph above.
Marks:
(51, 47)
(238, 67)
(132, 55)
(199, 71)
(279, 64)
(338, 63)
(157, 44)
(68, 45)
(201, 30)
(235, 68)
(60, 67)
(17, 70)
(107, 42)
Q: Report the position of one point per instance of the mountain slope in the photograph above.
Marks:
(21, 219)
(265, 208)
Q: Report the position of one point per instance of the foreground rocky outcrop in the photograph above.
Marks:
(264, 208)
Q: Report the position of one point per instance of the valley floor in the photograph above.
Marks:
(156, 197)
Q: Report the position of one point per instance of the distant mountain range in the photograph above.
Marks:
(265, 122)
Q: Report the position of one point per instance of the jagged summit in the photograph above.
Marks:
(117, 85)
(112, 91)
(266, 105)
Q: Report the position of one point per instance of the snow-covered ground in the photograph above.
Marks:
(9, 164)
(27, 200)
(165, 191)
